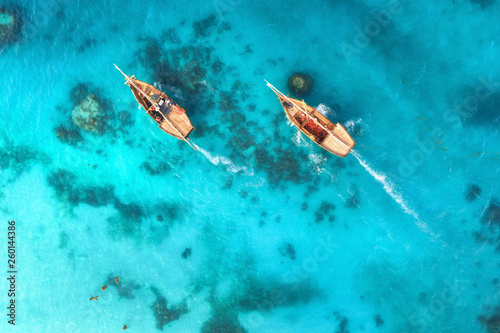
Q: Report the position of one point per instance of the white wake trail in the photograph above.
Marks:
(219, 159)
(391, 190)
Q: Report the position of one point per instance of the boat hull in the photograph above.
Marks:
(178, 125)
(334, 139)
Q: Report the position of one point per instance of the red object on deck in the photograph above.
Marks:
(178, 109)
(312, 127)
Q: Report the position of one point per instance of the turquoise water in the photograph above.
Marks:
(260, 230)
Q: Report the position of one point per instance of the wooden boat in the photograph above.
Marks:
(332, 137)
(171, 118)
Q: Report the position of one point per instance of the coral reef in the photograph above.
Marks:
(68, 134)
(154, 166)
(91, 112)
(187, 253)
(472, 193)
(10, 23)
(492, 323)
(202, 28)
(65, 184)
(88, 115)
(300, 84)
(287, 250)
(19, 158)
(343, 325)
(163, 314)
(491, 215)
(223, 323)
(324, 210)
(264, 297)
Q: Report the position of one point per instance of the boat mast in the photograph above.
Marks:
(157, 107)
(279, 93)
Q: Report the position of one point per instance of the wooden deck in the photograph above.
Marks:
(180, 126)
(332, 137)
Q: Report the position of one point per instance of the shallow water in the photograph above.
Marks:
(282, 236)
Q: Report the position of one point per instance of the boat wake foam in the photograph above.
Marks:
(351, 124)
(219, 159)
(393, 193)
(325, 110)
(298, 140)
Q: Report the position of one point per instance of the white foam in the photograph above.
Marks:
(325, 110)
(219, 159)
(349, 125)
(259, 184)
(391, 190)
(299, 141)
(316, 163)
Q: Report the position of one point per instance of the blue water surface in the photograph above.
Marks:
(260, 230)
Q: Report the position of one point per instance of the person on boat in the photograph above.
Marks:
(287, 105)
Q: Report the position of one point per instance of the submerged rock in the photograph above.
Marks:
(472, 193)
(89, 115)
(300, 84)
(9, 23)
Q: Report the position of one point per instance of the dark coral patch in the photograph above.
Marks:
(65, 184)
(288, 250)
(187, 253)
(130, 211)
(124, 288)
(324, 209)
(154, 166)
(222, 322)
(19, 158)
(203, 27)
(258, 296)
(472, 193)
(344, 322)
(11, 21)
(491, 215)
(492, 323)
(68, 134)
(483, 3)
(163, 314)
